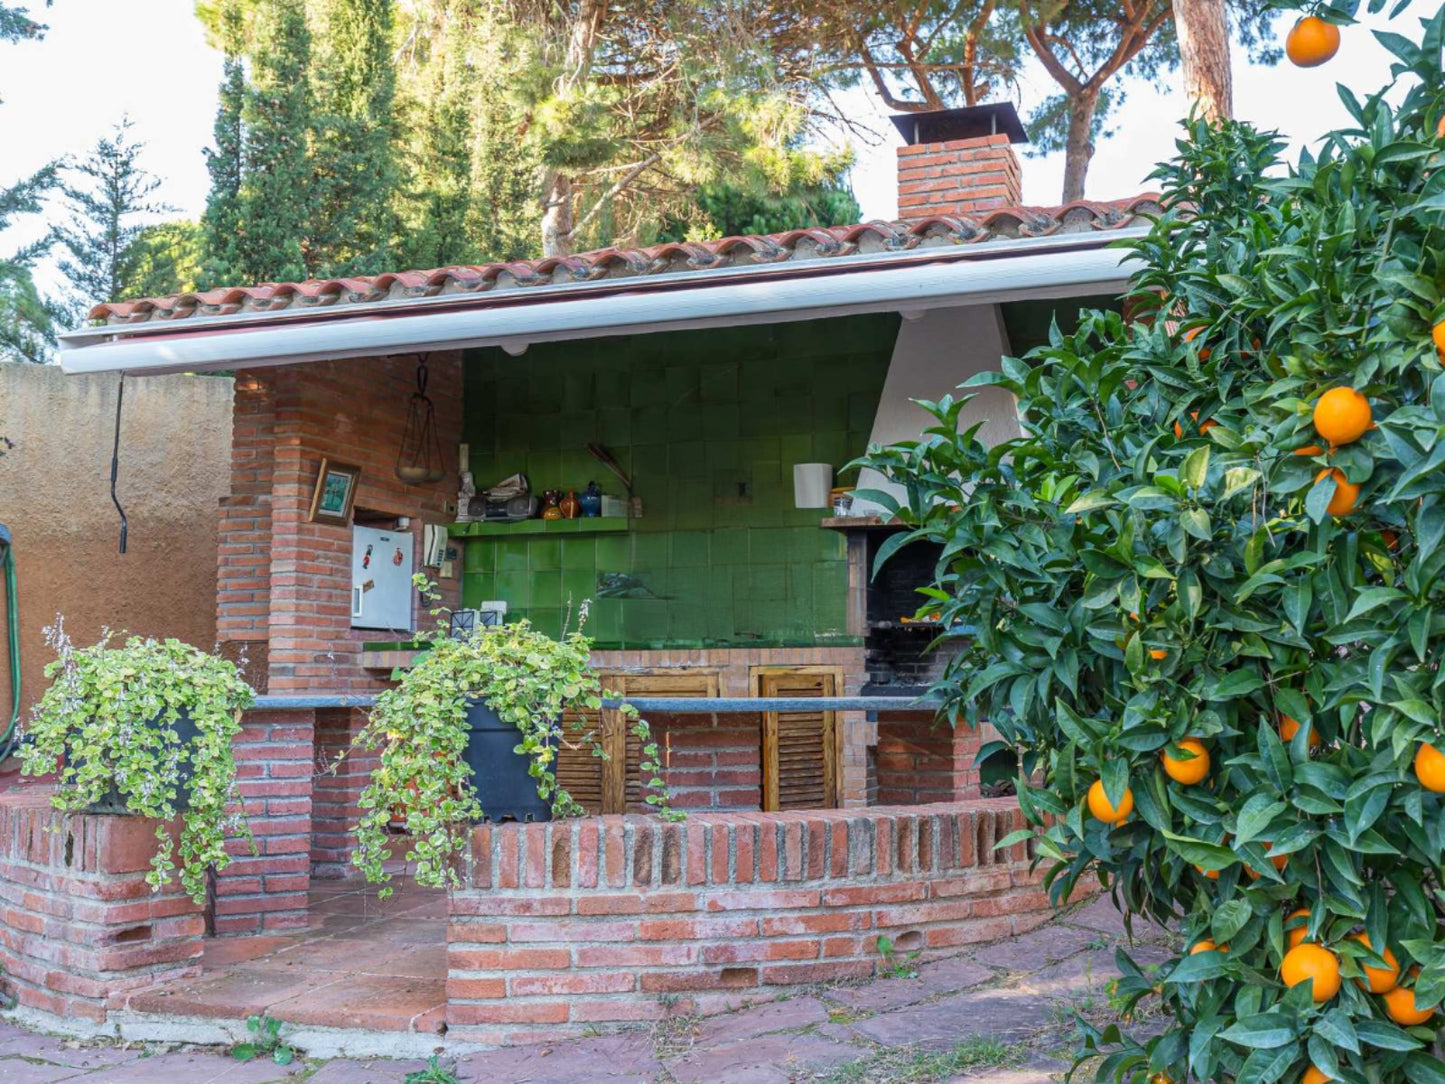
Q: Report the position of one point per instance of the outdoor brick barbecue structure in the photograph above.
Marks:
(726, 601)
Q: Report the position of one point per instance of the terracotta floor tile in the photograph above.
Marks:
(380, 1003)
(224, 951)
(398, 931)
(232, 992)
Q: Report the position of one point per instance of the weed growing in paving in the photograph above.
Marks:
(896, 965)
(265, 1042)
(906, 1065)
(432, 1074)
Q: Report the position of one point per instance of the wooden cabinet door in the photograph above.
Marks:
(689, 685)
(800, 754)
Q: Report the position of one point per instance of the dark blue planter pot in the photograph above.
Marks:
(112, 803)
(505, 788)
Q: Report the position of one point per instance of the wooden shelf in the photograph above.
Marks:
(518, 528)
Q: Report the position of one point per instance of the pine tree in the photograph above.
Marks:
(354, 87)
(277, 201)
(221, 263)
(164, 258)
(107, 195)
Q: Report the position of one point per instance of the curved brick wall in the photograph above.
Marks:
(611, 919)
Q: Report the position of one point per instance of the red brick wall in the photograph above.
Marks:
(338, 784)
(958, 177)
(275, 763)
(922, 761)
(710, 761)
(572, 924)
(79, 927)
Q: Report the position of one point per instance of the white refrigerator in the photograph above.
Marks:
(381, 587)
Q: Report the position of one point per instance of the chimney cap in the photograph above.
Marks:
(969, 122)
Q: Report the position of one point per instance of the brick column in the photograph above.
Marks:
(243, 576)
(275, 763)
(920, 761)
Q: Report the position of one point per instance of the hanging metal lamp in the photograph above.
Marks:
(420, 457)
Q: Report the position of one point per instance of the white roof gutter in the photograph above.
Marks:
(936, 278)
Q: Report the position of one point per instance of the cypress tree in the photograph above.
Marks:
(277, 201)
(354, 87)
(221, 263)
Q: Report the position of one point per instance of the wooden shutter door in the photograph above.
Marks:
(799, 747)
(580, 772)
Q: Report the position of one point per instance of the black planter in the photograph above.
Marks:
(113, 802)
(504, 786)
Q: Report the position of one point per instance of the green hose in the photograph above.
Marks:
(12, 640)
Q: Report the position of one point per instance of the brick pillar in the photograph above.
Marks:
(921, 762)
(243, 576)
(79, 927)
(957, 177)
(274, 767)
(338, 786)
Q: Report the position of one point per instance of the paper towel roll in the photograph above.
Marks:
(812, 483)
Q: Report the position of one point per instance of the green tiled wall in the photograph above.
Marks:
(709, 425)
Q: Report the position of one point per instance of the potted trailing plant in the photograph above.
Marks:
(145, 729)
(474, 729)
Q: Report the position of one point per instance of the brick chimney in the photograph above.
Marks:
(958, 161)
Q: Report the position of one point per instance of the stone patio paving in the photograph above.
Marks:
(363, 963)
(996, 1015)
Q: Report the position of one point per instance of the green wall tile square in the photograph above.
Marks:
(613, 553)
(544, 554)
(512, 555)
(544, 470)
(604, 621)
(721, 421)
(689, 548)
(613, 388)
(729, 546)
(515, 589)
(580, 553)
(649, 550)
(479, 555)
(644, 623)
(546, 589)
(579, 390)
(649, 388)
(764, 583)
(684, 422)
(547, 620)
(719, 382)
(682, 385)
(614, 427)
(687, 459)
(578, 584)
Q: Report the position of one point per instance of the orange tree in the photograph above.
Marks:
(1218, 654)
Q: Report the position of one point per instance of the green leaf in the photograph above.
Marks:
(1196, 467)
(1264, 1031)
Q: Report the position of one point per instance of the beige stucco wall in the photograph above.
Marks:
(54, 496)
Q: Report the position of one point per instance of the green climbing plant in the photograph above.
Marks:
(418, 729)
(1201, 597)
(108, 727)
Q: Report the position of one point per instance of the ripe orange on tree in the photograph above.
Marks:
(1188, 772)
(1313, 964)
(1401, 1007)
(1289, 727)
(1430, 768)
(1101, 809)
(1204, 427)
(1207, 945)
(1342, 501)
(1438, 331)
(1315, 1075)
(1309, 449)
(1378, 980)
(1157, 653)
(1312, 42)
(1342, 416)
(1279, 861)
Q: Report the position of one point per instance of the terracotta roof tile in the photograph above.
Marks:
(1003, 223)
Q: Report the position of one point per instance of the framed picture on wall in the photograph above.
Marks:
(335, 492)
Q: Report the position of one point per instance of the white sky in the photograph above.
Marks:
(148, 58)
